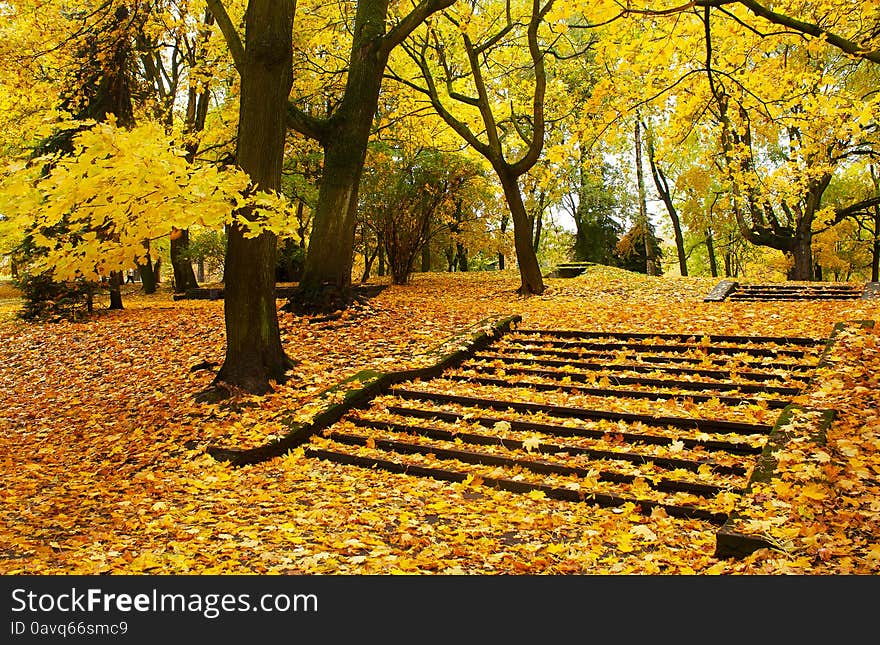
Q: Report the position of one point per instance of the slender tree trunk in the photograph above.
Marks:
(531, 281)
(368, 264)
(710, 248)
(875, 246)
(503, 228)
(381, 268)
(650, 260)
(662, 186)
(426, 257)
(254, 355)
(539, 227)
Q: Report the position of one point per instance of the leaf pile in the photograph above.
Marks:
(105, 471)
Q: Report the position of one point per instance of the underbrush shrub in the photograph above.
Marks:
(45, 299)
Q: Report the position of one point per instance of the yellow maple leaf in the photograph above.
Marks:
(531, 443)
(536, 494)
(814, 491)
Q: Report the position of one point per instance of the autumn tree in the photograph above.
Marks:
(593, 202)
(465, 75)
(343, 130)
(254, 354)
(664, 189)
(853, 31)
(97, 88)
(132, 182)
(175, 64)
(639, 249)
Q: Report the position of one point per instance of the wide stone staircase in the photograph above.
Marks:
(658, 420)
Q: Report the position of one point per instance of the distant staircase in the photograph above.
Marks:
(734, 291)
(570, 269)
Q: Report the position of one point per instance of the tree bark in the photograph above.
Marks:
(531, 280)
(148, 276)
(875, 246)
(254, 355)
(184, 276)
(326, 281)
(461, 255)
(662, 186)
(710, 249)
(650, 260)
(115, 287)
(801, 253)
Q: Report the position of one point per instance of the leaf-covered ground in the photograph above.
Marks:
(104, 467)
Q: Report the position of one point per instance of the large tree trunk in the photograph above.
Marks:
(801, 253)
(148, 276)
(115, 288)
(531, 281)
(254, 355)
(328, 263)
(326, 280)
(461, 256)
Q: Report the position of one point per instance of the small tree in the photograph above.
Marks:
(630, 251)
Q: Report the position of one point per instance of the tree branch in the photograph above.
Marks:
(230, 34)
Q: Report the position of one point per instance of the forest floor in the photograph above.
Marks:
(104, 464)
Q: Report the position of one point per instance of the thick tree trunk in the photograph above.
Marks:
(531, 281)
(426, 257)
(331, 243)
(254, 355)
(326, 280)
(461, 255)
(801, 252)
(148, 276)
(184, 276)
(115, 288)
